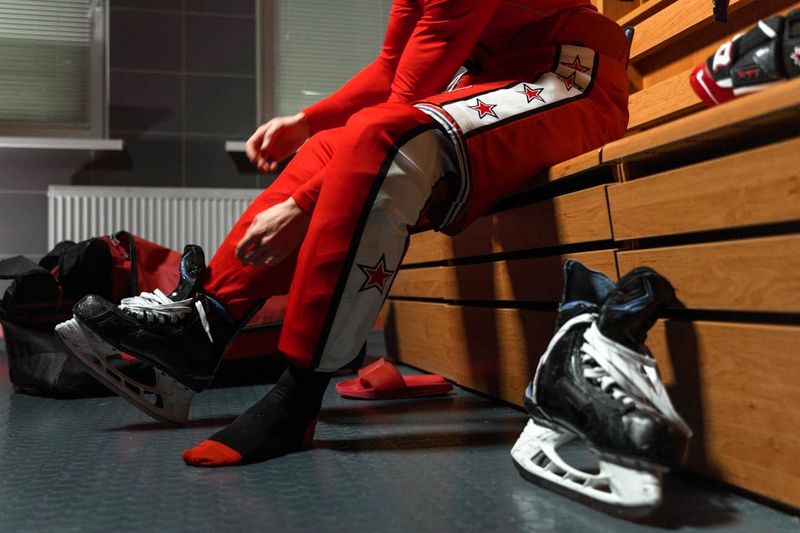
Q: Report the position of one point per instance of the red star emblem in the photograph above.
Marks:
(376, 275)
(531, 93)
(484, 109)
(576, 65)
(796, 56)
(569, 81)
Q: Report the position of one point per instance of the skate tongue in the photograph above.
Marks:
(632, 308)
(585, 290)
(193, 263)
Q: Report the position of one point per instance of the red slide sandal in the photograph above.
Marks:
(382, 381)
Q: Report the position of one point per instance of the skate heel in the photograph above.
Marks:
(166, 400)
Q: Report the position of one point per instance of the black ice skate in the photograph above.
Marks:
(752, 61)
(183, 336)
(598, 382)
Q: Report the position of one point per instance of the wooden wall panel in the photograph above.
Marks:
(493, 351)
(761, 275)
(539, 279)
(721, 193)
(738, 387)
(668, 100)
(572, 218)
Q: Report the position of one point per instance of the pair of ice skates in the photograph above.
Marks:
(182, 336)
(598, 382)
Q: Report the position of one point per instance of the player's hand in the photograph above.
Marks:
(273, 234)
(276, 140)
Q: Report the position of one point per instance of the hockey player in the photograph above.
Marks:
(597, 381)
(536, 82)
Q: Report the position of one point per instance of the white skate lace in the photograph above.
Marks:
(629, 376)
(157, 307)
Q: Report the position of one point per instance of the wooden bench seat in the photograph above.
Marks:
(746, 122)
(718, 194)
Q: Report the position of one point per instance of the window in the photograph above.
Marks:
(309, 48)
(52, 68)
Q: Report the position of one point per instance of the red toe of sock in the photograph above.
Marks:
(211, 453)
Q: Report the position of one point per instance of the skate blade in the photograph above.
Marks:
(167, 401)
(615, 489)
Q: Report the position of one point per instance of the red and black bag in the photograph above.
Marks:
(42, 295)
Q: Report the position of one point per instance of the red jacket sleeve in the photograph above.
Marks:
(442, 39)
(426, 42)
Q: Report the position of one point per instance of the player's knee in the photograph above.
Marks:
(384, 118)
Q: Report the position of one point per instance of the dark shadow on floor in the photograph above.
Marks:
(422, 441)
(364, 409)
(201, 423)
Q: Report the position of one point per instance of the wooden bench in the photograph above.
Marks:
(708, 197)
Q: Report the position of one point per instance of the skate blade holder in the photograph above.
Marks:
(167, 400)
(615, 489)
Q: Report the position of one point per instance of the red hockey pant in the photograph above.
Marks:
(513, 119)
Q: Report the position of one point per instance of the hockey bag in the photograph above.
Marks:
(42, 295)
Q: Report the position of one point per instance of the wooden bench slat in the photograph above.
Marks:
(572, 218)
(673, 23)
(646, 10)
(736, 386)
(663, 101)
(759, 275)
(775, 111)
(717, 194)
(537, 279)
(576, 165)
(493, 351)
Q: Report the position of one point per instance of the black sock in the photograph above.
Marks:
(276, 425)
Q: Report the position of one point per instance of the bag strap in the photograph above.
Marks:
(19, 266)
(128, 239)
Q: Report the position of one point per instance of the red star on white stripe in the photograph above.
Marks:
(569, 81)
(576, 65)
(484, 109)
(376, 275)
(531, 93)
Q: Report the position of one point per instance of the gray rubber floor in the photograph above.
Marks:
(439, 464)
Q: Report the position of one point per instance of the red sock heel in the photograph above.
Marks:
(211, 453)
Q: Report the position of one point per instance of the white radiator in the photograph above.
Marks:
(171, 217)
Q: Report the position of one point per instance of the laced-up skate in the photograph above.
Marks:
(598, 382)
(183, 336)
